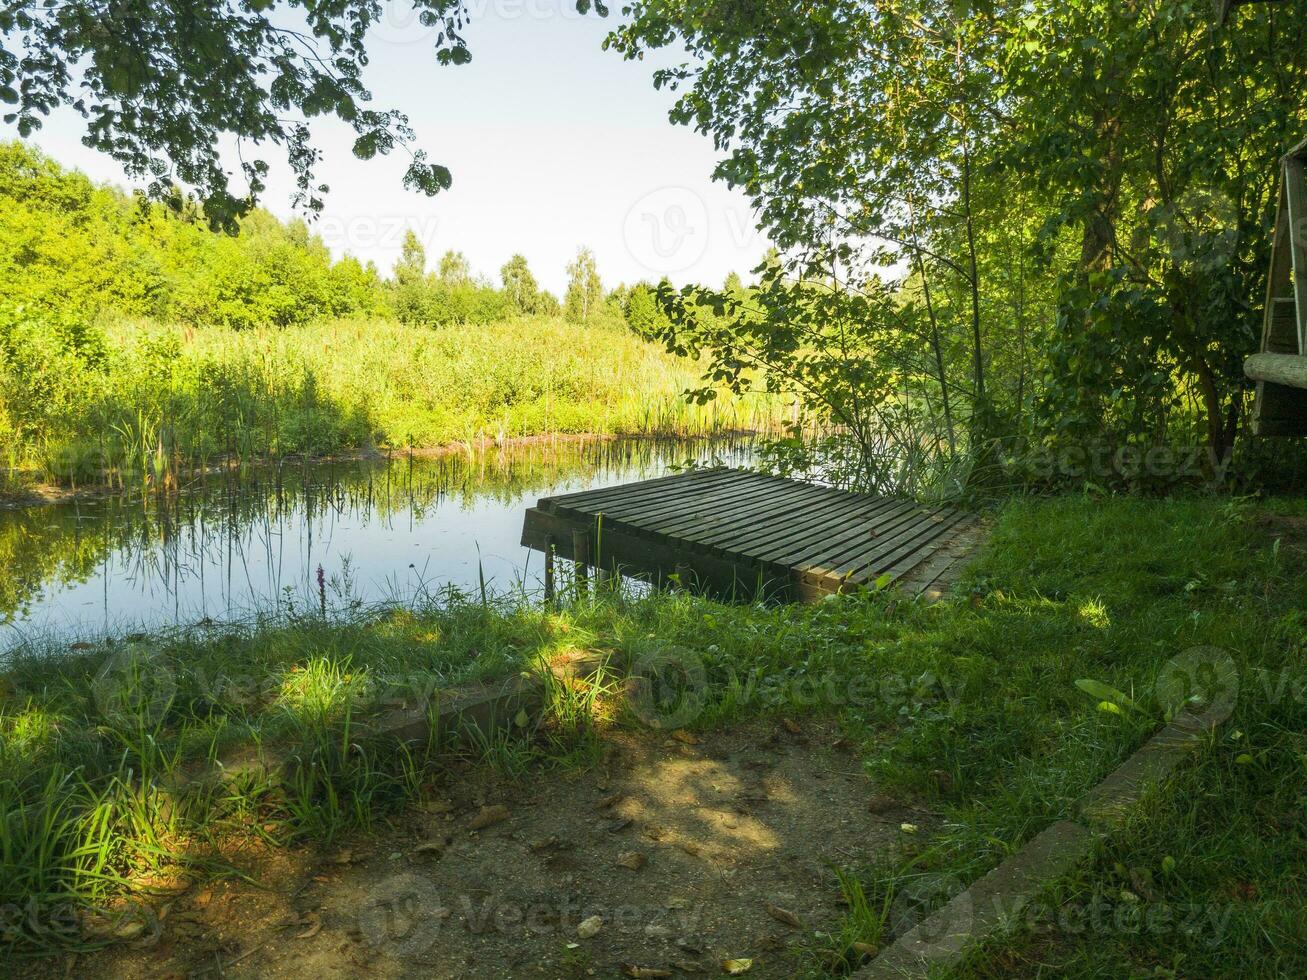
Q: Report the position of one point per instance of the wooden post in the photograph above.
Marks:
(1295, 193)
(549, 570)
(581, 555)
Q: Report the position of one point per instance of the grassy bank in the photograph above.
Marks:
(970, 708)
(141, 399)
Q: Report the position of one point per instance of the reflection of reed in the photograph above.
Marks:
(261, 527)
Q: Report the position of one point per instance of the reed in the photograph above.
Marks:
(165, 399)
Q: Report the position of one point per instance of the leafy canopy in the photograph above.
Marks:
(164, 87)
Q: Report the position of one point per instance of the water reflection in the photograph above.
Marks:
(232, 545)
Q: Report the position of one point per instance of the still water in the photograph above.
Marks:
(230, 546)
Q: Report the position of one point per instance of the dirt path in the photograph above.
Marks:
(679, 846)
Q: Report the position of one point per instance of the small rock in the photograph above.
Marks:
(488, 816)
(882, 803)
(611, 800)
(782, 915)
(635, 860)
(644, 972)
(430, 848)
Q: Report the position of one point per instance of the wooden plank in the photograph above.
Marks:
(748, 512)
(1295, 187)
(672, 483)
(849, 561)
(685, 486)
(677, 484)
(809, 548)
(937, 571)
(853, 537)
(815, 525)
(649, 512)
(910, 551)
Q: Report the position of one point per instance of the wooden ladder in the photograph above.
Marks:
(1281, 409)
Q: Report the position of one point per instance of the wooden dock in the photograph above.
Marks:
(734, 533)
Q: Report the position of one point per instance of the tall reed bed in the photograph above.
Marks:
(154, 399)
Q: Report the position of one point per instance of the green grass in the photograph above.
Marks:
(971, 706)
(159, 398)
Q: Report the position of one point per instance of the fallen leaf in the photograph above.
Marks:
(590, 927)
(642, 972)
(314, 923)
(782, 915)
(488, 817)
(736, 967)
(635, 860)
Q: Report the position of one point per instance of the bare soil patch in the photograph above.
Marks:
(691, 850)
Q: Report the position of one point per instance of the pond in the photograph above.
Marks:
(233, 545)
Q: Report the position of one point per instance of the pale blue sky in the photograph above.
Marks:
(553, 143)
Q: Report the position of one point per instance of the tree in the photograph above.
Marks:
(585, 292)
(412, 264)
(1172, 211)
(856, 132)
(642, 312)
(455, 269)
(1078, 195)
(520, 285)
(165, 86)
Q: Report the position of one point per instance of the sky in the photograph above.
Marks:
(553, 144)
